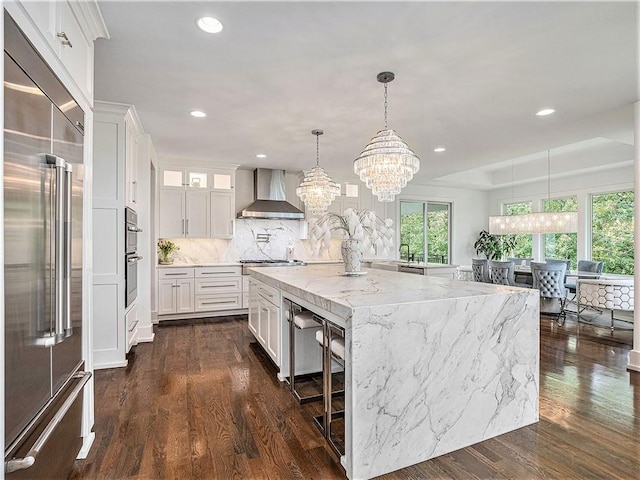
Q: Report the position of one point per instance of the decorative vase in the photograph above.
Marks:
(351, 255)
(165, 261)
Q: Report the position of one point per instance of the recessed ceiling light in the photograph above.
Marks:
(198, 113)
(209, 24)
(261, 155)
(545, 111)
(439, 149)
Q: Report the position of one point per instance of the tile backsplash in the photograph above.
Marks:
(249, 243)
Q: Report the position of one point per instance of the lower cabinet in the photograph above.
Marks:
(190, 292)
(264, 318)
(131, 322)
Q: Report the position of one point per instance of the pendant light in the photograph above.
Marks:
(317, 190)
(386, 164)
(539, 223)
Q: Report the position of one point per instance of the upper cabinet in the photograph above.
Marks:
(63, 32)
(196, 201)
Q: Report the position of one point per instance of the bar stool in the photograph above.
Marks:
(333, 349)
(302, 320)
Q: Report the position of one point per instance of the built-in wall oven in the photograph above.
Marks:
(131, 256)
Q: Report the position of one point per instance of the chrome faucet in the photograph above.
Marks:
(408, 254)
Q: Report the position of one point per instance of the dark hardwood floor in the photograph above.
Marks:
(202, 403)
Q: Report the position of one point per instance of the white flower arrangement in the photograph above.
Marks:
(375, 234)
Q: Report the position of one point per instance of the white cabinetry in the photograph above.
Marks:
(117, 132)
(66, 31)
(175, 291)
(196, 202)
(191, 292)
(264, 317)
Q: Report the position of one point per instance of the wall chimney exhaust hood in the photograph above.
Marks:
(269, 188)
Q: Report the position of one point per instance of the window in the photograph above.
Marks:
(561, 245)
(425, 224)
(524, 245)
(612, 231)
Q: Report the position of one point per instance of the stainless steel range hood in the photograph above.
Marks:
(270, 197)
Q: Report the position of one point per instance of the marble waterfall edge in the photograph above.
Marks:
(457, 373)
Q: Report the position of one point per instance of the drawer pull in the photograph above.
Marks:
(216, 273)
(218, 303)
(175, 274)
(218, 286)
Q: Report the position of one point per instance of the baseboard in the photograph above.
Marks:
(634, 361)
(145, 334)
(87, 442)
(102, 366)
(186, 316)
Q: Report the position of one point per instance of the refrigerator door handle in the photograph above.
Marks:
(30, 458)
(68, 327)
(60, 251)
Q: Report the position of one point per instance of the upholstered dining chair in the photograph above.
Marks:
(518, 261)
(521, 279)
(502, 273)
(549, 279)
(480, 268)
(584, 266)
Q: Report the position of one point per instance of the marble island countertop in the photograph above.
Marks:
(327, 287)
(432, 364)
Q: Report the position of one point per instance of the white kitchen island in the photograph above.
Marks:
(432, 364)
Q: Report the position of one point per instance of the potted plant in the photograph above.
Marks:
(165, 248)
(494, 247)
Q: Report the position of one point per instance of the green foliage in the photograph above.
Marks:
(562, 245)
(612, 231)
(412, 229)
(524, 243)
(495, 247)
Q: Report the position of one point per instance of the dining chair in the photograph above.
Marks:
(502, 273)
(480, 268)
(522, 279)
(584, 266)
(549, 279)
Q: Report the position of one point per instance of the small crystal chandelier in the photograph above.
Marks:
(317, 190)
(386, 164)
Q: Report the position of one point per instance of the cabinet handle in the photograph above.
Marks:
(65, 39)
(218, 286)
(265, 310)
(265, 293)
(175, 274)
(183, 226)
(215, 273)
(187, 226)
(217, 303)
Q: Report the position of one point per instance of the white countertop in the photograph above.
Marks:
(323, 285)
(191, 265)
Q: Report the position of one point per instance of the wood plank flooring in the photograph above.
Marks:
(201, 402)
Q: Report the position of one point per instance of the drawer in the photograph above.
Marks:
(169, 273)
(269, 293)
(209, 272)
(209, 303)
(211, 286)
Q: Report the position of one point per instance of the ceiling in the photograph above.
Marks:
(469, 76)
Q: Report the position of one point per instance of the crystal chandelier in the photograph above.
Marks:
(317, 190)
(540, 222)
(387, 163)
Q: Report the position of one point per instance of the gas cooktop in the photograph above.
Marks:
(268, 263)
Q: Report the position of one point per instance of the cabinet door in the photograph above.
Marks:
(222, 213)
(171, 210)
(222, 180)
(131, 166)
(75, 51)
(166, 297)
(131, 323)
(254, 309)
(184, 295)
(263, 322)
(273, 333)
(197, 214)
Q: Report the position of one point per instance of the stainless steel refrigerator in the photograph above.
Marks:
(44, 372)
